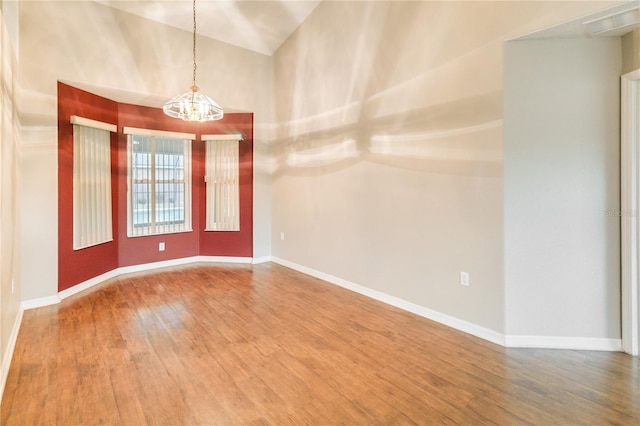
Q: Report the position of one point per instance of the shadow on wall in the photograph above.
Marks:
(386, 90)
(429, 141)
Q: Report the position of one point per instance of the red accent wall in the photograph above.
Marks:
(236, 243)
(139, 250)
(78, 266)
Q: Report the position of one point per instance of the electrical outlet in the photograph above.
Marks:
(282, 236)
(464, 279)
(161, 247)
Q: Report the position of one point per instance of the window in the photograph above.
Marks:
(159, 182)
(222, 181)
(92, 221)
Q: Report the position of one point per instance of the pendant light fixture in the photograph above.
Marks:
(193, 105)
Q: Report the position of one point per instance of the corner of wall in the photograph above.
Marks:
(10, 280)
(7, 355)
(631, 51)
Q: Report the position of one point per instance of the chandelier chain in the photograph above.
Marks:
(192, 105)
(194, 43)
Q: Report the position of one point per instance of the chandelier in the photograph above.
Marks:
(193, 105)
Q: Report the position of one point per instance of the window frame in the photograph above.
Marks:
(162, 229)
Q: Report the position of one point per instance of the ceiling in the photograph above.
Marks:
(258, 25)
(263, 25)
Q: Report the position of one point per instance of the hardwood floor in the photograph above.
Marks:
(262, 344)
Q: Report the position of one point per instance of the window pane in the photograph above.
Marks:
(160, 181)
(141, 171)
(169, 181)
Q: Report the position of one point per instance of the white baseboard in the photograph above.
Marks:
(40, 302)
(154, 265)
(52, 300)
(8, 354)
(453, 322)
(181, 261)
(546, 342)
(224, 259)
(558, 342)
(510, 341)
(88, 284)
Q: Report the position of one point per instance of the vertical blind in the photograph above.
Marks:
(222, 173)
(92, 221)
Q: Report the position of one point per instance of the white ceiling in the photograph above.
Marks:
(258, 25)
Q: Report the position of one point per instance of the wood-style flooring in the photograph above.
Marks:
(262, 344)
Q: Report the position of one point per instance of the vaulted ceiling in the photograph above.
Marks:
(260, 26)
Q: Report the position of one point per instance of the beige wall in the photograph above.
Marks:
(631, 51)
(10, 280)
(562, 187)
(389, 153)
(128, 59)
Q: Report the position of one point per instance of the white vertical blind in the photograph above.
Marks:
(222, 185)
(92, 221)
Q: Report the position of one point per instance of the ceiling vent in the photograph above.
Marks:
(614, 25)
